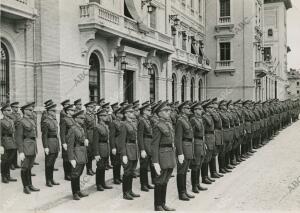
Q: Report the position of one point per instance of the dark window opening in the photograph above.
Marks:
(270, 32)
(4, 75)
(225, 51)
(152, 87)
(183, 88)
(267, 53)
(94, 78)
(224, 8)
(174, 85)
(126, 11)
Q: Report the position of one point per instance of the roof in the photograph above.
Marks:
(287, 3)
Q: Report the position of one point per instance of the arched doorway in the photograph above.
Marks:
(94, 78)
(200, 90)
(4, 75)
(174, 87)
(183, 88)
(192, 89)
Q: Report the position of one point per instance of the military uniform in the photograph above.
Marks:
(7, 131)
(50, 141)
(101, 148)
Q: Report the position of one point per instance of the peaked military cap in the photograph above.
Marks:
(50, 106)
(101, 112)
(206, 103)
(89, 103)
(48, 102)
(114, 105)
(78, 101)
(65, 102)
(161, 106)
(183, 104)
(14, 104)
(229, 103)
(117, 109)
(123, 103)
(126, 108)
(145, 105)
(80, 112)
(222, 102)
(106, 105)
(69, 107)
(27, 105)
(196, 105)
(136, 102)
(237, 102)
(214, 101)
(5, 106)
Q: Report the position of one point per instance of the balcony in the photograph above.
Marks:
(224, 67)
(93, 17)
(224, 23)
(18, 9)
(261, 69)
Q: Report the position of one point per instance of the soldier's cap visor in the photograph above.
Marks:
(78, 101)
(52, 106)
(65, 102)
(14, 104)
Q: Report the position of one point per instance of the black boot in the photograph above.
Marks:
(200, 188)
(116, 176)
(153, 174)
(67, 170)
(180, 188)
(98, 180)
(185, 191)
(51, 177)
(125, 188)
(194, 181)
(79, 192)
(31, 187)
(130, 188)
(48, 178)
(149, 186)
(102, 173)
(163, 198)
(4, 172)
(143, 174)
(157, 198)
(24, 178)
(213, 169)
(74, 189)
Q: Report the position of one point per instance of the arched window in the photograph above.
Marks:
(183, 88)
(94, 78)
(270, 32)
(192, 89)
(152, 87)
(174, 88)
(4, 75)
(200, 90)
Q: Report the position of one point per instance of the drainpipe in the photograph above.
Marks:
(34, 65)
(244, 52)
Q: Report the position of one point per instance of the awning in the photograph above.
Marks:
(133, 12)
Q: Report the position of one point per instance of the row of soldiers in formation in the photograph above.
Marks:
(160, 136)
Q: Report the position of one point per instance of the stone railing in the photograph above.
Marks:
(224, 64)
(224, 20)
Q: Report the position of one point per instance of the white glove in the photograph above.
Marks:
(205, 146)
(181, 159)
(157, 168)
(46, 151)
(86, 142)
(1, 150)
(65, 146)
(143, 154)
(21, 156)
(114, 151)
(97, 158)
(73, 162)
(125, 159)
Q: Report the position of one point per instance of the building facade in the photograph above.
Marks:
(235, 44)
(113, 49)
(294, 84)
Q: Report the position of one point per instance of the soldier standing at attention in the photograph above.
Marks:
(44, 113)
(90, 121)
(7, 136)
(184, 149)
(66, 122)
(199, 146)
(77, 154)
(144, 137)
(114, 134)
(50, 143)
(27, 147)
(101, 148)
(163, 155)
(15, 116)
(129, 151)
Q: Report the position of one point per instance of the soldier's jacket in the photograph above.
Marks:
(144, 134)
(7, 131)
(184, 137)
(225, 117)
(16, 117)
(50, 134)
(173, 116)
(89, 124)
(65, 125)
(26, 136)
(216, 118)
(114, 134)
(163, 151)
(236, 123)
(209, 130)
(75, 141)
(154, 120)
(100, 140)
(248, 121)
(199, 134)
(43, 117)
(128, 143)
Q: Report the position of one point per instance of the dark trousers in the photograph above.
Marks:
(129, 169)
(181, 175)
(75, 177)
(89, 161)
(49, 165)
(26, 166)
(66, 164)
(145, 163)
(7, 160)
(116, 163)
(100, 171)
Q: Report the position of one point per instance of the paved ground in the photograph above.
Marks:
(269, 180)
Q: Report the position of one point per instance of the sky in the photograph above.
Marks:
(293, 35)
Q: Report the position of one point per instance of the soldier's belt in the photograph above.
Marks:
(148, 136)
(32, 138)
(165, 145)
(210, 132)
(78, 144)
(103, 141)
(7, 135)
(52, 136)
(131, 141)
(188, 139)
(199, 137)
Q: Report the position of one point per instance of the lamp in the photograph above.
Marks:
(201, 44)
(175, 19)
(258, 82)
(123, 61)
(174, 31)
(148, 65)
(184, 35)
(149, 7)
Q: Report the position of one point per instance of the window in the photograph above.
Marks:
(297, 91)
(224, 8)
(126, 11)
(4, 75)
(200, 90)
(152, 87)
(192, 89)
(267, 53)
(153, 18)
(174, 87)
(94, 78)
(183, 88)
(200, 7)
(225, 51)
(270, 32)
(183, 40)
(297, 83)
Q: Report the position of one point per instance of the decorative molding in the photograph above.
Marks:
(225, 71)
(85, 37)
(113, 44)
